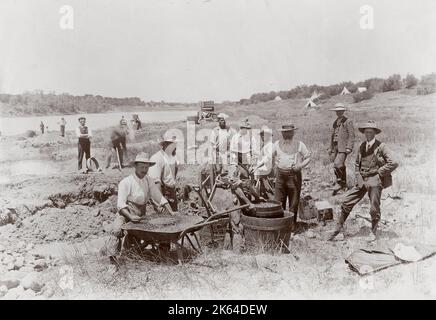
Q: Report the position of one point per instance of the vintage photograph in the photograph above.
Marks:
(217, 150)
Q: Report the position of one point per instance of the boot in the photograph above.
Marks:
(339, 186)
(344, 178)
(339, 226)
(374, 236)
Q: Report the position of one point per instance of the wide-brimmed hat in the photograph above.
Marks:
(143, 157)
(167, 139)
(287, 127)
(245, 124)
(81, 117)
(339, 107)
(370, 124)
(222, 116)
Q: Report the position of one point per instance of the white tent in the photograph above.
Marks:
(277, 98)
(345, 91)
(361, 89)
(310, 104)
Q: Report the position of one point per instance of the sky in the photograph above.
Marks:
(191, 50)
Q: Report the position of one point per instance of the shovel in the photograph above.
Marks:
(118, 158)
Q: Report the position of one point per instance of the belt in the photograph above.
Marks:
(287, 171)
(367, 175)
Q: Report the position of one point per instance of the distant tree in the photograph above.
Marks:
(427, 85)
(392, 83)
(410, 81)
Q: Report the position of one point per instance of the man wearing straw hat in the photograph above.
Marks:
(291, 157)
(134, 192)
(341, 145)
(220, 142)
(240, 145)
(84, 135)
(164, 172)
(374, 165)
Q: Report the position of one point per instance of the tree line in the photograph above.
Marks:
(426, 85)
(40, 103)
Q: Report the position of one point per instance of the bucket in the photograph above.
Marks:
(269, 209)
(307, 209)
(269, 233)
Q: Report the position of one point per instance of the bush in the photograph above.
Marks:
(427, 85)
(392, 83)
(360, 96)
(410, 81)
(30, 133)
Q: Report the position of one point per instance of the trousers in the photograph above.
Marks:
(288, 187)
(372, 186)
(84, 149)
(339, 166)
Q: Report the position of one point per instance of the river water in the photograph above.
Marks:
(18, 125)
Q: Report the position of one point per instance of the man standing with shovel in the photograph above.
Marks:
(118, 143)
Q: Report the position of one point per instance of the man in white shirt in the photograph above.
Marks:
(164, 172)
(84, 135)
(240, 145)
(291, 157)
(134, 192)
(220, 142)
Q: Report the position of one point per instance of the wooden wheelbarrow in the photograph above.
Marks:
(166, 229)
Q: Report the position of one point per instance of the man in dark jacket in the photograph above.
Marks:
(341, 145)
(374, 165)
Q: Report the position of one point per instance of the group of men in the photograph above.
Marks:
(234, 156)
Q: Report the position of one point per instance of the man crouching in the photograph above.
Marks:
(134, 192)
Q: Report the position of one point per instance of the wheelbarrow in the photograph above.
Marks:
(163, 229)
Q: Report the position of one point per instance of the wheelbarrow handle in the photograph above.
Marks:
(201, 225)
(219, 214)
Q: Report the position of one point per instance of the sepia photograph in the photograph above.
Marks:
(202, 151)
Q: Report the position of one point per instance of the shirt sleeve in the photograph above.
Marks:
(155, 194)
(89, 133)
(304, 151)
(155, 171)
(123, 193)
(78, 132)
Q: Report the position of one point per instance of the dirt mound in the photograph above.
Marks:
(75, 221)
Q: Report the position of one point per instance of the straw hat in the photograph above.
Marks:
(143, 157)
(370, 124)
(222, 116)
(288, 127)
(168, 139)
(338, 107)
(245, 124)
(81, 117)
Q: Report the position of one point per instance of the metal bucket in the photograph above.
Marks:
(267, 233)
(269, 209)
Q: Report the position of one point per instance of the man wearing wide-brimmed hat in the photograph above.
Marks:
(341, 145)
(164, 172)
(374, 165)
(220, 142)
(84, 135)
(291, 157)
(240, 145)
(134, 192)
